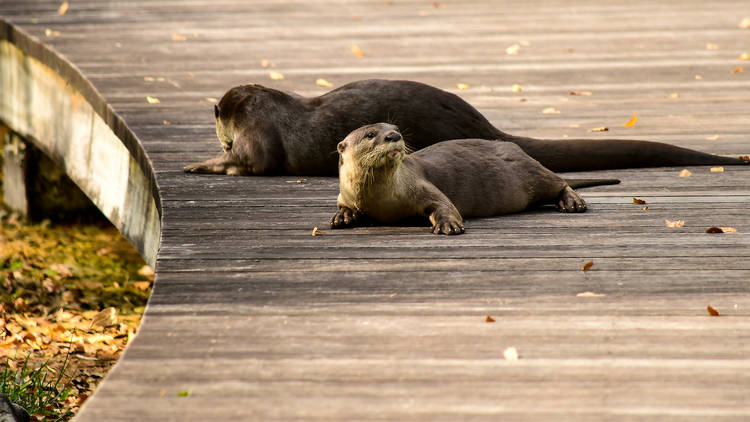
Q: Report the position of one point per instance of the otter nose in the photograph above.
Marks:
(393, 137)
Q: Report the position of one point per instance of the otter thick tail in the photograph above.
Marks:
(605, 154)
(587, 183)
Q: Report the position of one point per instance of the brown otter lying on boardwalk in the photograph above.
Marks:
(265, 131)
(443, 182)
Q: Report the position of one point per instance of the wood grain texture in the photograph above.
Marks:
(263, 321)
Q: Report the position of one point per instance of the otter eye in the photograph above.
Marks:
(370, 135)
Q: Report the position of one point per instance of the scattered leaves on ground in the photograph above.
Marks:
(462, 86)
(698, 77)
(275, 76)
(712, 138)
(712, 46)
(745, 23)
(63, 8)
(714, 230)
(265, 63)
(674, 224)
(738, 69)
(581, 93)
(185, 393)
(152, 100)
(685, 173)
(550, 110)
(717, 169)
(638, 201)
(317, 232)
(745, 56)
(728, 229)
(178, 37)
(674, 96)
(632, 121)
(516, 88)
(55, 281)
(489, 319)
(712, 311)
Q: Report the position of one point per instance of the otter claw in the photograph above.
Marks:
(570, 201)
(448, 228)
(344, 217)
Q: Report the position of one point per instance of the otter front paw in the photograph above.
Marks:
(570, 201)
(344, 217)
(448, 226)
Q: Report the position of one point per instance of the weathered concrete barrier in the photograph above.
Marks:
(48, 102)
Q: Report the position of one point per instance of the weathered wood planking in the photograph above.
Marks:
(262, 321)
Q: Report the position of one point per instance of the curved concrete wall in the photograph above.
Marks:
(47, 100)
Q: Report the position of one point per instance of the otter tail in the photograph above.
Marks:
(587, 183)
(603, 154)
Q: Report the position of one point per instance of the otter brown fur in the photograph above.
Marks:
(265, 131)
(443, 182)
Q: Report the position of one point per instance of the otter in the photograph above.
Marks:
(266, 131)
(444, 182)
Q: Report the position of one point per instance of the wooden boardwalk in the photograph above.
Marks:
(259, 320)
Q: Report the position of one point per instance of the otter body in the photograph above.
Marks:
(265, 131)
(444, 182)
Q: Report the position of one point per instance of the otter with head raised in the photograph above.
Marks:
(444, 182)
(265, 131)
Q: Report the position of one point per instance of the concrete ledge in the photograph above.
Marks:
(47, 101)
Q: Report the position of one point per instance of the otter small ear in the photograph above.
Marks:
(341, 147)
(216, 111)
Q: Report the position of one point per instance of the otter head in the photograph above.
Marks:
(372, 146)
(223, 131)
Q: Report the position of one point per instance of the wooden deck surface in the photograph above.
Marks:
(260, 320)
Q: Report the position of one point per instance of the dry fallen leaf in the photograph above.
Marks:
(51, 33)
(105, 318)
(674, 224)
(276, 76)
(152, 100)
(738, 69)
(324, 83)
(685, 173)
(587, 266)
(142, 285)
(674, 95)
(354, 48)
(265, 63)
(166, 123)
(599, 129)
(515, 88)
(714, 230)
(712, 311)
(212, 100)
(745, 23)
(712, 138)
(632, 121)
(645, 208)
(712, 46)
(574, 126)
(63, 8)
(489, 319)
(317, 232)
(698, 77)
(745, 158)
(728, 229)
(717, 169)
(146, 271)
(582, 93)
(550, 110)
(638, 201)
(745, 56)
(591, 294)
(462, 86)
(511, 353)
(178, 37)
(513, 50)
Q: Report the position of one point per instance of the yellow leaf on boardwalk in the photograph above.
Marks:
(515, 88)
(324, 83)
(63, 8)
(178, 37)
(717, 169)
(152, 100)
(276, 76)
(354, 48)
(685, 173)
(712, 138)
(462, 86)
(632, 121)
(674, 224)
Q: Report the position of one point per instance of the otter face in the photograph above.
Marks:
(375, 146)
(223, 131)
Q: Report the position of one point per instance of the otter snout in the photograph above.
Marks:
(393, 137)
